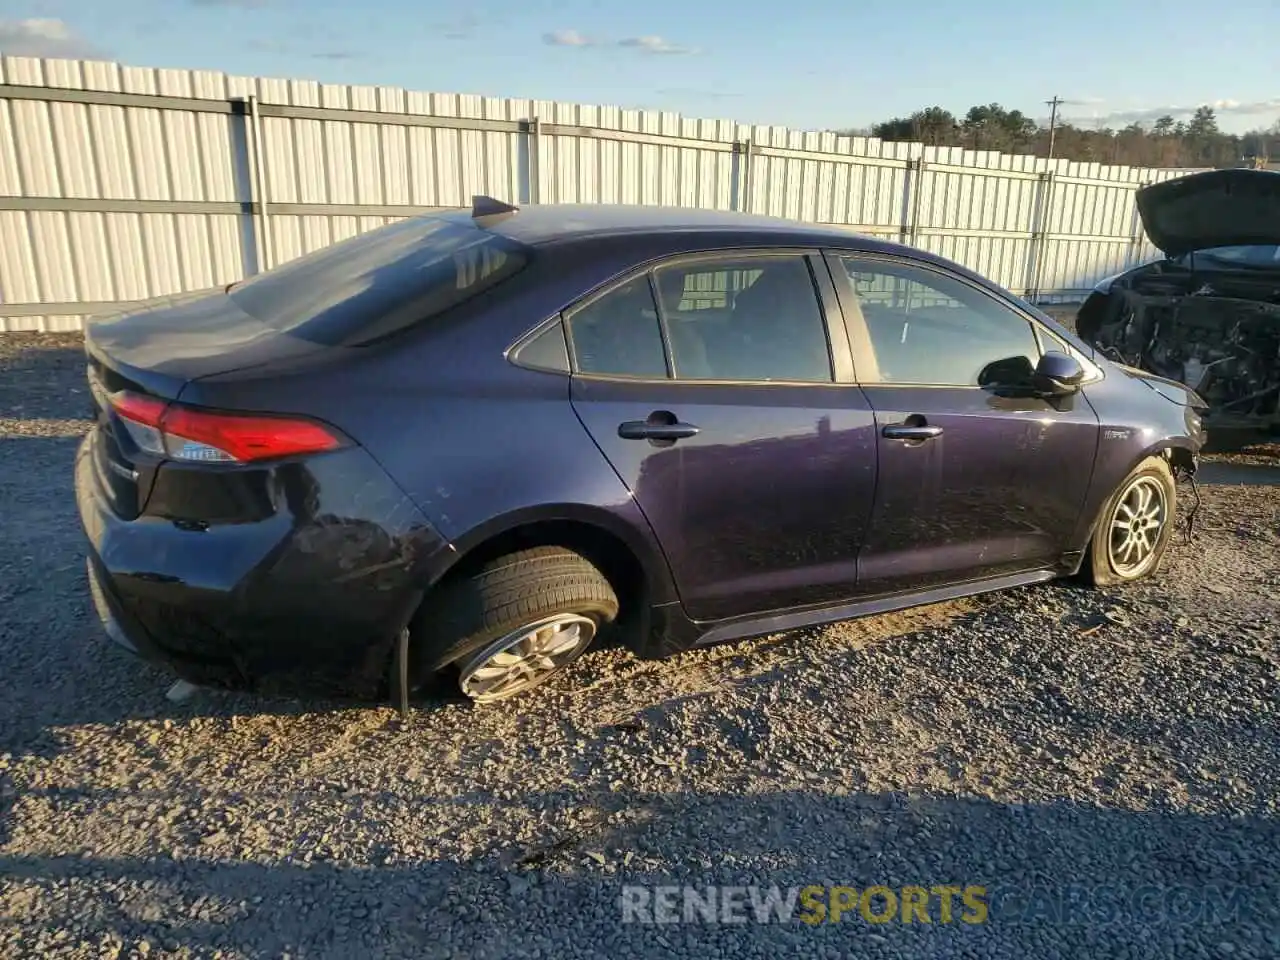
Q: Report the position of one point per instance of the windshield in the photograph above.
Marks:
(380, 282)
(1234, 258)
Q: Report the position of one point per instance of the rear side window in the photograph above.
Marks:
(618, 334)
(752, 318)
(731, 318)
(547, 351)
(381, 282)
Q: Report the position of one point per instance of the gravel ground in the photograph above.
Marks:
(1052, 744)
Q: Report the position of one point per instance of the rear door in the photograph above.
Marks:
(978, 476)
(711, 386)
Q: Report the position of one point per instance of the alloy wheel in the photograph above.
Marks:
(525, 657)
(1139, 517)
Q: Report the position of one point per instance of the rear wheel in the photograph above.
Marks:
(1135, 526)
(515, 622)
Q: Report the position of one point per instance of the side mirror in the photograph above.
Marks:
(1008, 373)
(1058, 374)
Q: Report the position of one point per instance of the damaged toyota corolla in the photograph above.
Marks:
(461, 445)
(1208, 315)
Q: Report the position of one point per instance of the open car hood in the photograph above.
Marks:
(1217, 208)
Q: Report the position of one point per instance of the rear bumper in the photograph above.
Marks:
(108, 615)
(127, 632)
(311, 592)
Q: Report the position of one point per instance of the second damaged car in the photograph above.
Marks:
(1208, 314)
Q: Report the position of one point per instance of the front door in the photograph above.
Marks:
(978, 476)
(709, 385)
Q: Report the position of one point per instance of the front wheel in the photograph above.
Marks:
(514, 623)
(1136, 524)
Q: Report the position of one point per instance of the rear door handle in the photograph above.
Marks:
(649, 430)
(900, 431)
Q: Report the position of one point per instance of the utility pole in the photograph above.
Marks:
(1053, 120)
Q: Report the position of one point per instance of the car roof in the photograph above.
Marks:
(551, 223)
(681, 229)
(685, 228)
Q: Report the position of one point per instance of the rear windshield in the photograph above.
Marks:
(380, 282)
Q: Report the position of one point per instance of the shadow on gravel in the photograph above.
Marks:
(75, 678)
(82, 680)
(1060, 880)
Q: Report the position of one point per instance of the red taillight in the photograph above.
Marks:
(186, 433)
(246, 437)
(147, 411)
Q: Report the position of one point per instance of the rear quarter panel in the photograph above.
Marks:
(481, 455)
(479, 444)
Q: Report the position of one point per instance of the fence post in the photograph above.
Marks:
(909, 228)
(1042, 211)
(740, 171)
(258, 165)
(528, 151)
(904, 217)
(248, 222)
(916, 201)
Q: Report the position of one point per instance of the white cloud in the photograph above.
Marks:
(645, 44)
(1147, 114)
(653, 44)
(567, 38)
(39, 37)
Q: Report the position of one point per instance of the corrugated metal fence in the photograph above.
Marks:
(123, 183)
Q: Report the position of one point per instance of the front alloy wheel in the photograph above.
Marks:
(1136, 524)
(1137, 521)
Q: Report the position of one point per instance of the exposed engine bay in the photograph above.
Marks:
(1218, 333)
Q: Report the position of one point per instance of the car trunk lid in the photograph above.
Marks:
(1217, 208)
(161, 345)
(154, 349)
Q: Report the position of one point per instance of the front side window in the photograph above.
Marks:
(927, 328)
(744, 318)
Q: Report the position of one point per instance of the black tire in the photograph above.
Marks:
(1102, 570)
(469, 614)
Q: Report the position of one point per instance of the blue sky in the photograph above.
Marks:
(808, 65)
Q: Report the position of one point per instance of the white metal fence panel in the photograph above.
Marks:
(119, 183)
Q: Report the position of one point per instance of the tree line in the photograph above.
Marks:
(1165, 142)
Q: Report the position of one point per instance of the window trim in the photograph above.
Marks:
(845, 292)
(668, 352)
(825, 296)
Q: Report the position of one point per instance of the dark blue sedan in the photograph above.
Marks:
(464, 444)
